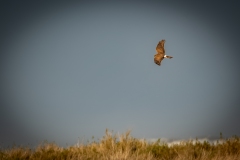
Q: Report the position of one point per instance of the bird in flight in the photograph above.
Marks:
(160, 55)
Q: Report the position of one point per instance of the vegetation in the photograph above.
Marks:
(125, 147)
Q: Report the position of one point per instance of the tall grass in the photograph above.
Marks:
(125, 147)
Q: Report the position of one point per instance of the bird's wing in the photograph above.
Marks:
(158, 58)
(160, 47)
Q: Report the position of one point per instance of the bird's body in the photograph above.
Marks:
(160, 55)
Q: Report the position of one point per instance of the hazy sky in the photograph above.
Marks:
(70, 70)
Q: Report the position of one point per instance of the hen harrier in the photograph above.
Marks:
(160, 55)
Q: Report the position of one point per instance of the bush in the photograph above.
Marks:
(125, 147)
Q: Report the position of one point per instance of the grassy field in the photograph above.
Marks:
(125, 147)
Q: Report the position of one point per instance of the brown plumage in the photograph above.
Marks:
(160, 55)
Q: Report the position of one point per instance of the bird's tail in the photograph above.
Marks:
(166, 56)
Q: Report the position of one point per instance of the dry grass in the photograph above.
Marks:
(125, 147)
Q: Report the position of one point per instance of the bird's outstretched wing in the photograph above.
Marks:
(160, 47)
(159, 56)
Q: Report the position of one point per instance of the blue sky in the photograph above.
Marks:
(70, 70)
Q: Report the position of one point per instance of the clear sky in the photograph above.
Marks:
(70, 70)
